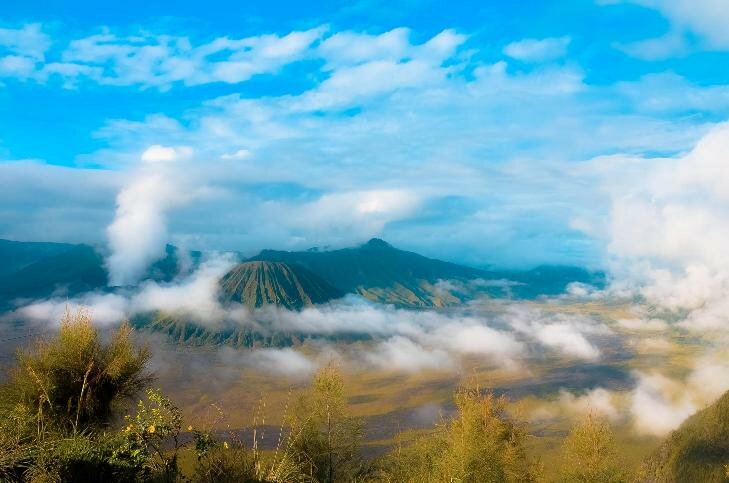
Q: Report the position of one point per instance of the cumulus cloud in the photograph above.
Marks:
(150, 60)
(538, 50)
(401, 353)
(659, 405)
(599, 402)
(416, 121)
(285, 361)
(567, 334)
(21, 49)
(194, 296)
(138, 234)
(105, 308)
(667, 233)
(703, 18)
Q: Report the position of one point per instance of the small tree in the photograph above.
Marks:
(324, 438)
(480, 443)
(589, 454)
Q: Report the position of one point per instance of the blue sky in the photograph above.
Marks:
(481, 132)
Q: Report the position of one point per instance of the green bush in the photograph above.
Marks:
(140, 444)
(480, 443)
(59, 400)
(590, 454)
(74, 381)
(324, 440)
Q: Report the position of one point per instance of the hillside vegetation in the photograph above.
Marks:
(697, 451)
(255, 284)
(65, 416)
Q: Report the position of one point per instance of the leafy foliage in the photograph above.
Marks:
(141, 445)
(73, 382)
(480, 443)
(59, 398)
(324, 439)
(697, 451)
(590, 454)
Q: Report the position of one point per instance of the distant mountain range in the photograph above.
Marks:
(38, 270)
(375, 270)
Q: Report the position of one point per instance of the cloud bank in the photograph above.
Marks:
(138, 234)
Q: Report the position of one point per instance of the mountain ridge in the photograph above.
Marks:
(374, 270)
(258, 283)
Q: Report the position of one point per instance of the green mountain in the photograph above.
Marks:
(259, 283)
(376, 271)
(381, 273)
(38, 270)
(180, 330)
(697, 451)
(63, 271)
(15, 255)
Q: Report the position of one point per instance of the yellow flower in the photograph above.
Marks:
(151, 428)
(128, 428)
(225, 444)
(189, 427)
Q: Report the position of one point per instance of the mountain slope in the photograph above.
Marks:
(381, 273)
(259, 283)
(77, 269)
(37, 270)
(15, 255)
(697, 451)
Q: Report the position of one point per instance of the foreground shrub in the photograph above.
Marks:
(324, 441)
(73, 382)
(590, 454)
(140, 445)
(59, 400)
(480, 443)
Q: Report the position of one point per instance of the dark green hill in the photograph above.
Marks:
(259, 283)
(16, 255)
(697, 451)
(77, 269)
(381, 273)
(37, 270)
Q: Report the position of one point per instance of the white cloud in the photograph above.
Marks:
(138, 234)
(538, 50)
(469, 337)
(105, 308)
(363, 66)
(287, 361)
(706, 18)
(239, 154)
(162, 60)
(195, 295)
(28, 41)
(401, 353)
(563, 333)
(659, 405)
(352, 48)
(670, 45)
(425, 133)
(598, 402)
(667, 232)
